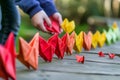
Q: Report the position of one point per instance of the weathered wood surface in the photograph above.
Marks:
(94, 68)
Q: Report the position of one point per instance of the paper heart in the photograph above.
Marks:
(101, 54)
(7, 56)
(28, 52)
(78, 42)
(87, 40)
(70, 42)
(80, 59)
(111, 55)
(55, 28)
(68, 26)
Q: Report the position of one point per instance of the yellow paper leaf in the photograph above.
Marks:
(114, 26)
(68, 26)
(102, 39)
(95, 38)
(78, 42)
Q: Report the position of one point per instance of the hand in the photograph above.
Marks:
(38, 20)
(57, 16)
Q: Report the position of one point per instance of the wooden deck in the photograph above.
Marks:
(94, 68)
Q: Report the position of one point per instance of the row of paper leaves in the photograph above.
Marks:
(29, 52)
(59, 46)
(109, 36)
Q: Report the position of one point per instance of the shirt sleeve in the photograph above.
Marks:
(48, 6)
(31, 7)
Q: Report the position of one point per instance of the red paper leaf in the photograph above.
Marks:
(64, 40)
(10, 46)
(7, 59)
(80, 59)
(53, 40)
(9, 69)
(111, 55)
(55, 28)
(60, 49)
(58, 45)
(8, 55)
(2, 71)
(46, 50)
(101, 54)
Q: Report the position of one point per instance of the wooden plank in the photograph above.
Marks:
(92, 57)
(68, 68)
(72, 76)
(94, 68)
(46, 75)
(71, 66)
(39, 75)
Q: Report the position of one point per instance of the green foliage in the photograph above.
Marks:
(80, 10)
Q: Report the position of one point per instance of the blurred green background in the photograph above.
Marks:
(87, 14)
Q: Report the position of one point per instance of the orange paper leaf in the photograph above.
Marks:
(87, 41)
(28, 52)
(70, 42)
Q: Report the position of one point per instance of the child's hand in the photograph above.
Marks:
(38, 20)
(57, 16)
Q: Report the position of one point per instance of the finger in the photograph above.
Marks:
(42, 27)
(61, 30)
(60, 20)
(47, 21)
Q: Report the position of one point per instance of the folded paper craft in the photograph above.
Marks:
(46, 50)
(116, 30)
(98, 39)
(64, 40)
(111, 55)
(101, 54)
(108, 37)
(78, 42)
(60, 49)
(68, 26)
(95, 38)
(59, 45)
(102, 39)
(29, 52)
(70, 42)
(114, 36)
(87, 40)
(80, 59)
(55, 28)
(7, 56)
